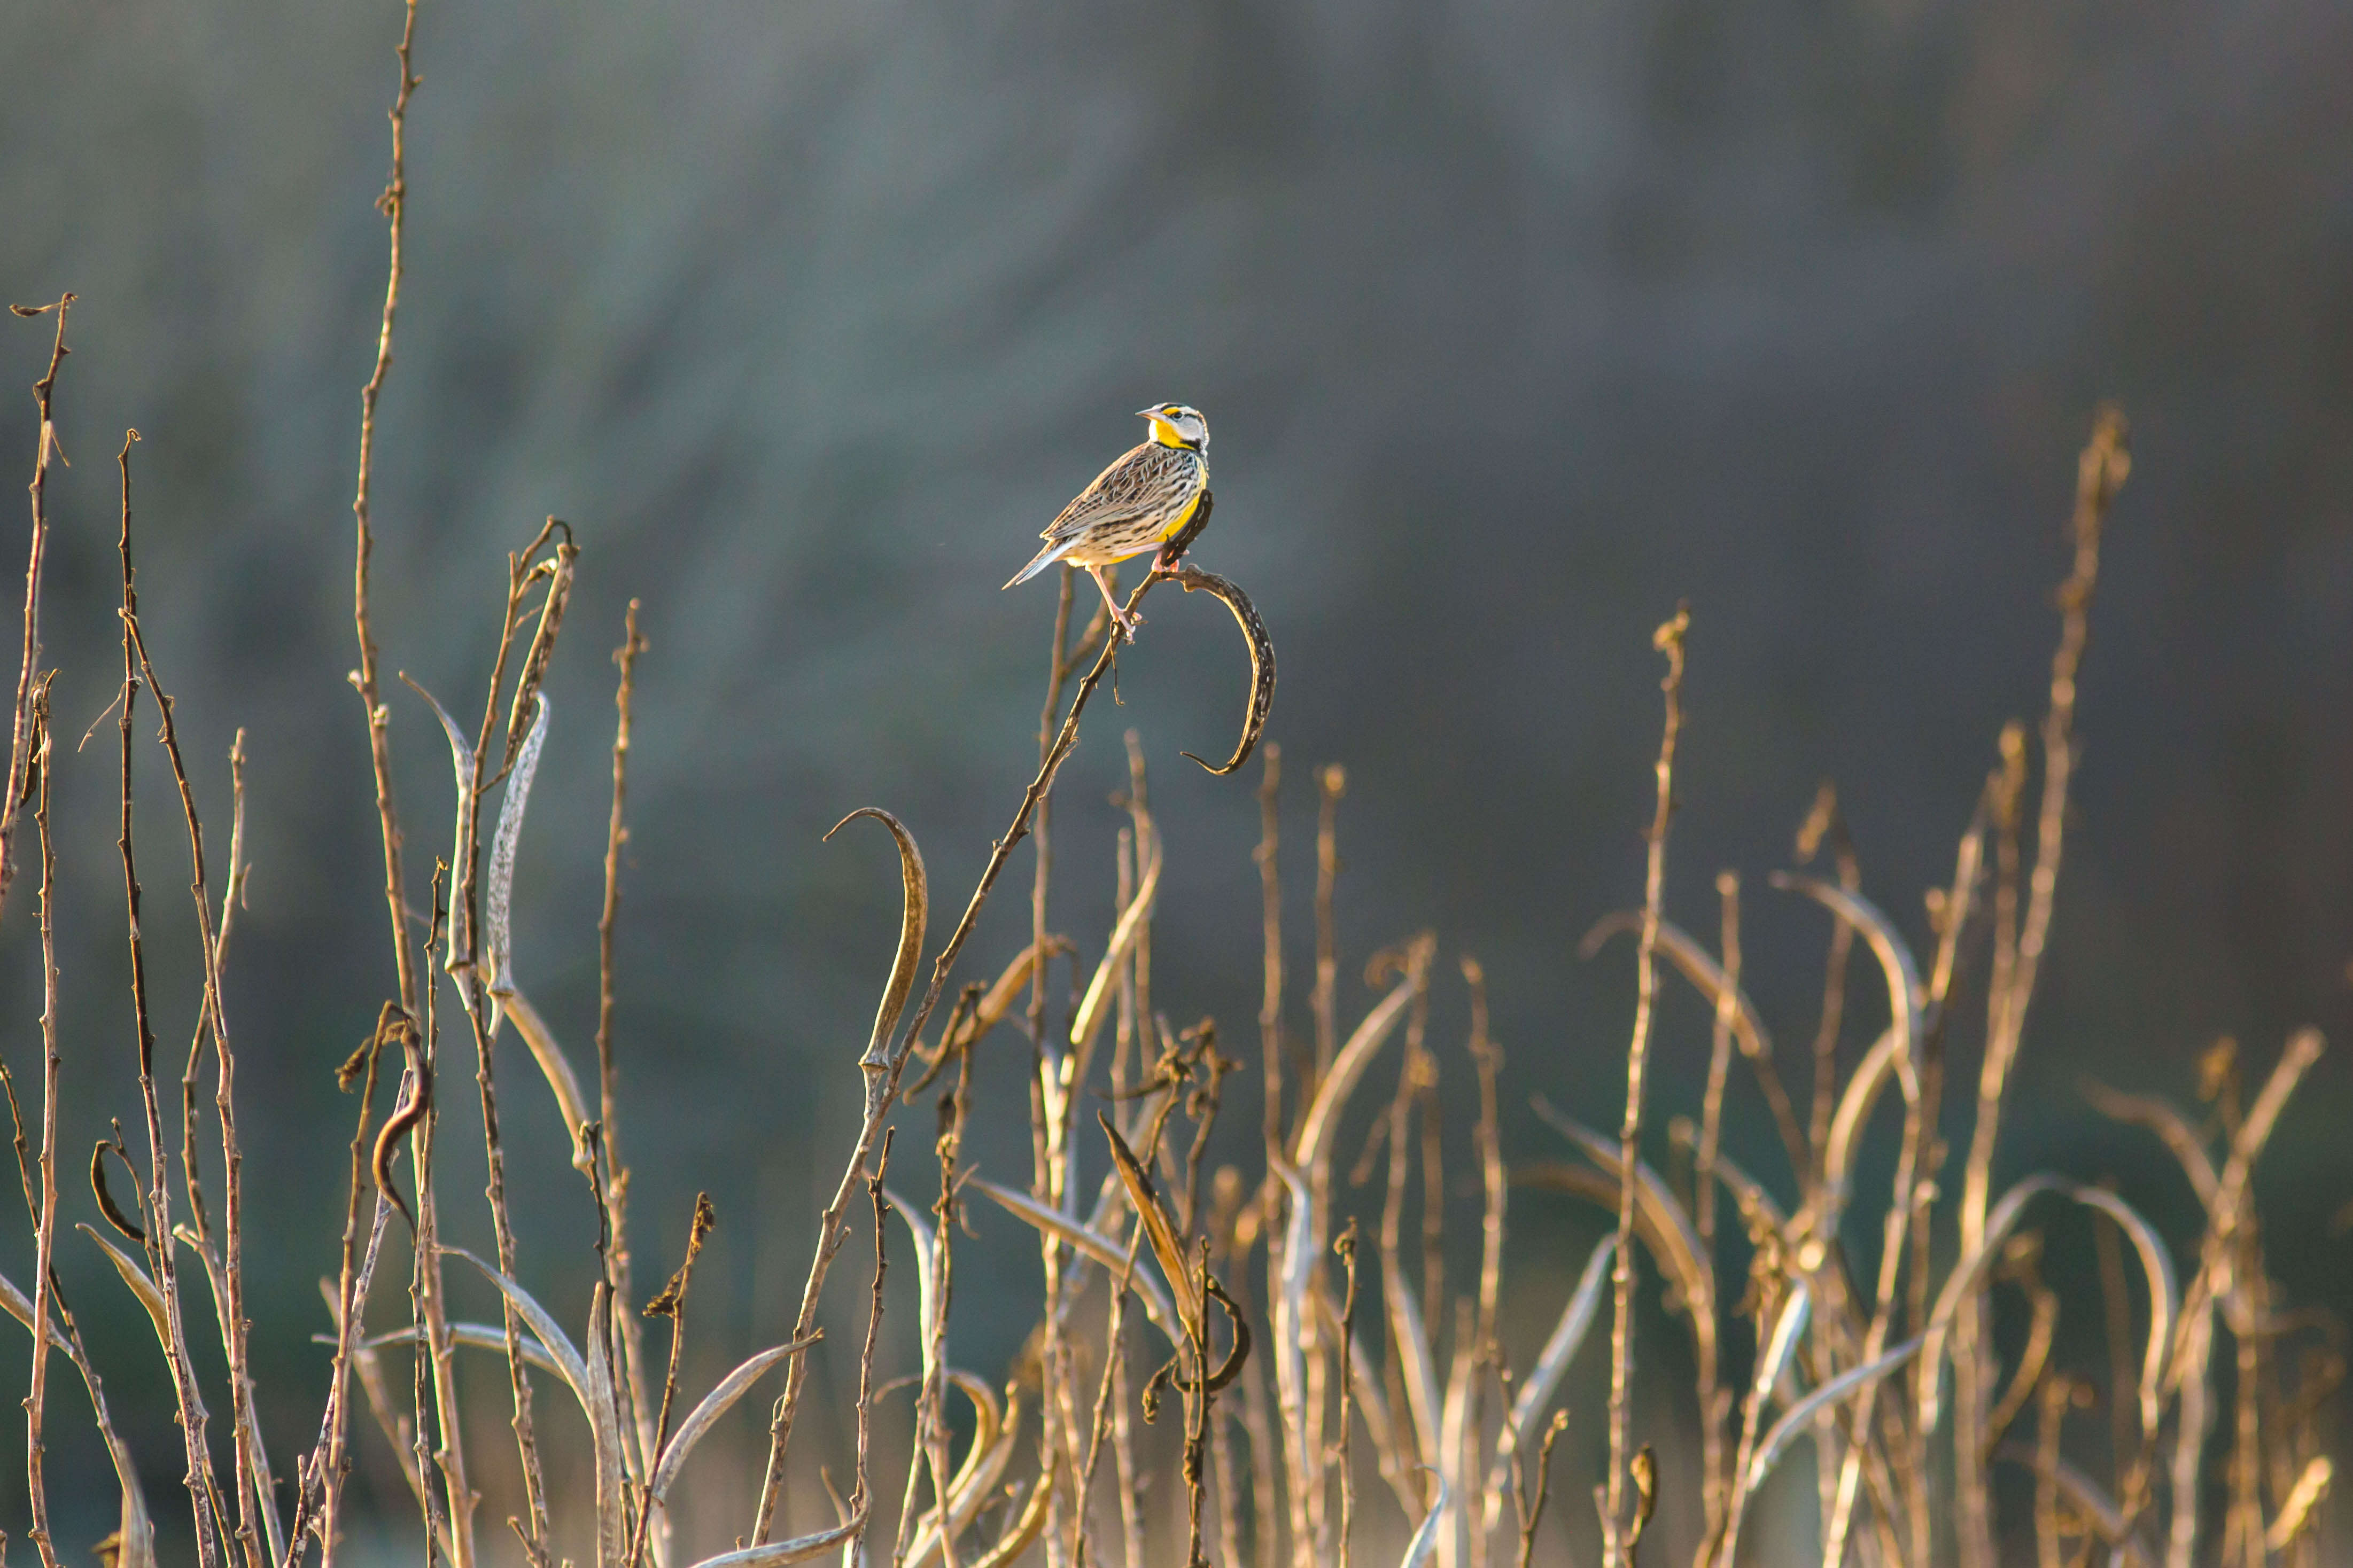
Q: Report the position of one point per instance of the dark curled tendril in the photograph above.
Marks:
(1232, 1367)
(106, 1204)
(1262, 652)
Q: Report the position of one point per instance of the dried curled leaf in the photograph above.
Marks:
(1097, 1248)
(1969, 1273)
(1661, 1225)
(717, 1402)
(1705, 975)
(914, 911)
(800, 1549)
(1411, 1339)
(1904, 992)
(498, 901)
(2180, 1138)
(1262, 652)
(1167, 1245)
(976, 1480)
(141, 1285)
(1798, 1419)
(1321, 1123)
(1096, 1005)
(1425, 1540)
(552, 1338)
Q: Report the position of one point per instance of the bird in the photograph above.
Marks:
(1138, 503)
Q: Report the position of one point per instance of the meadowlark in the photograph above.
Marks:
(1139, 502)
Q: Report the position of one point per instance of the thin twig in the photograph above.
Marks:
(36, 741)
(1825, 824)
(2102, 468)
(394, 205)
(860, 1504)
(629, 1329)
(1712, 1400)
(1534, 1510)
(671, 1304)
(254, 1488)
(1669, 640)
(203, 1488)
(21, 742)
(1345, 1247)
(1332, 782)
(1049, 1130)
(1270, 878)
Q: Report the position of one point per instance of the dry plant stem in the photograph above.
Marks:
(1112, 1383)
(394, 205)
(1971, 1375)
(464, 963)
(21, 741)
(1618, 1549)
(671, 1304)
(1391, 1244)
(1558, 1425)
(1270, 878)
(2247, 1513)
(860, 1497)
(1226, 1198)
(1345, 1247)
(1487, 1058)
(2116, 1303)
(2101, 469)
(322, 1480)
(1433, 1170)
(203, 1491)
(1713, 1480)
(1139, 811)
(1900, 1206)
(1719, 1062)
(630, 1332)
(883, 1077)
(1131, 1020)
(1332, 782)
(502, 1233)
(37, 746)
(1826, 824)
(933, 1411)
(1265, 1509)
(255, 1492)
(1045, 1064)
(428, 1298)
(1954, 909)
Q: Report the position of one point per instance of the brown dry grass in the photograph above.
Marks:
(1298, 1350)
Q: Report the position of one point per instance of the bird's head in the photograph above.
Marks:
(1177, 425)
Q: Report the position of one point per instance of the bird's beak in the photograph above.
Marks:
(1151, 414)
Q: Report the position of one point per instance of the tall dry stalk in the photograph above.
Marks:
(1617, 1525)
(28, 776)
(2102, 469)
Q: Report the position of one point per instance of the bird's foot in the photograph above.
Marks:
(1126, 621)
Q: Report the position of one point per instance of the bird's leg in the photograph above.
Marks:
(1125, 622)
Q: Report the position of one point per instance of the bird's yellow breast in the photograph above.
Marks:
(1165, 433)
(1176, 524)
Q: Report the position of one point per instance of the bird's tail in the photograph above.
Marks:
(1046, 557)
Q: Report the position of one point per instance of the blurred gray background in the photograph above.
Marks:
(1514, 323)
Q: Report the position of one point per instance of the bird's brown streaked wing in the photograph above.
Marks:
(1127, 490)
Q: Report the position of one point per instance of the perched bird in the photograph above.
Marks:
(1142, 501)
